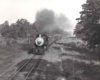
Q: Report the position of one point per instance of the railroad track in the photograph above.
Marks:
(32, 69)
(26, 65)
(33, 66)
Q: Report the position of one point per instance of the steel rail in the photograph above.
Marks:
(9, 68)
(11, 78)
(33, 67)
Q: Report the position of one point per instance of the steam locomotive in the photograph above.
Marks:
(40, 44)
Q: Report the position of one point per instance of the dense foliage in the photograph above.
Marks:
(21, 29)
(45, 22)
(88, 26)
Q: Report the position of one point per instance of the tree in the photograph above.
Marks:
(13, 31)
(22, 27)
(77, 30)
(5, 29)
(90, 21)
(33, 30)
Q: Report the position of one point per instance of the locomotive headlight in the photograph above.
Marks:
(39, 41)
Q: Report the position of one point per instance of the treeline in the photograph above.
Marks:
(23, 29)
(46, 21)
(88, 26)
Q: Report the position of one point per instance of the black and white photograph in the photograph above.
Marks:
(49, 39)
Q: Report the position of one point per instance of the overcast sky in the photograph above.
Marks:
(12, 10)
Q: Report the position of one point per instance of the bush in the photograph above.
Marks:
(26, 47)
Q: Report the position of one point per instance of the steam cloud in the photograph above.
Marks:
(47, 21)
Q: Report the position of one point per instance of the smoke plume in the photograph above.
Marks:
(48, 21)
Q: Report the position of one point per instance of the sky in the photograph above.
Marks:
(12, 10)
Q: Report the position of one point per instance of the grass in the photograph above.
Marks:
(7, 51)
(82, 50)
(73, 47)
(7, 55)
(73, 70)
(81, 70)
(26, 47)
